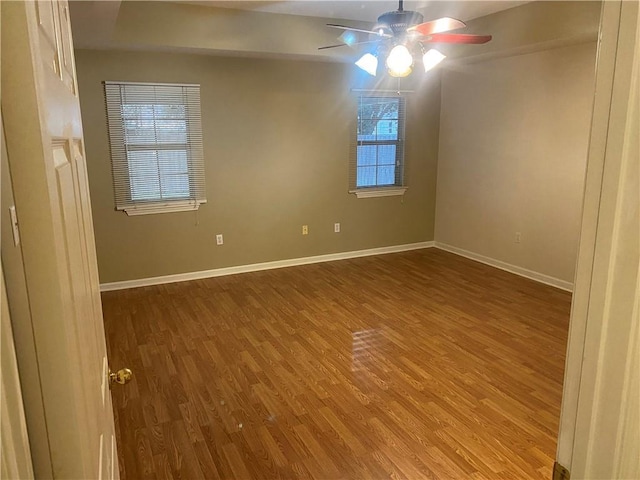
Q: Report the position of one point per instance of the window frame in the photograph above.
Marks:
(399, 186)
(115, 96)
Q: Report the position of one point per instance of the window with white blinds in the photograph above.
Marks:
(377, 159)
(156, 146)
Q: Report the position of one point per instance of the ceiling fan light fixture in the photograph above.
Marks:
(399, 61)
(400, 36)
(369, 63)
(432, 58)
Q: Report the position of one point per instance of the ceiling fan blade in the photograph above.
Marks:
(443, 24)
(333, 46)
(456, 38)
(344, 27)
(347, 44)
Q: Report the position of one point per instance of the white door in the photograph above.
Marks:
(43, 129)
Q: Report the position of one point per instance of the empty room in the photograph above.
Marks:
(320, 239)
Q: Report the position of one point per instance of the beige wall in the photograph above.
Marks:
(513, 143)
(534, 26)
(276, 140)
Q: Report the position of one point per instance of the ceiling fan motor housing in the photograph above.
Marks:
(399, 20)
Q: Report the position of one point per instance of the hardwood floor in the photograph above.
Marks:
(412, 365)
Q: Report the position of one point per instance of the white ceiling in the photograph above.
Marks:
(368, 10)
(94, 21)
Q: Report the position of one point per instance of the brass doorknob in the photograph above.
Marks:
(122, 376)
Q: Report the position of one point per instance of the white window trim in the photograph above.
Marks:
(166, 207)
(373, 192)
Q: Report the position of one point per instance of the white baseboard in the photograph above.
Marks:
(523, 272)
(255, 267)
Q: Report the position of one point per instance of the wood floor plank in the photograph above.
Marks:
(413, 365)
(235, 461)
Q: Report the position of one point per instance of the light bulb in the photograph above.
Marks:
(431, 59)
(368, 63)
(399, 61)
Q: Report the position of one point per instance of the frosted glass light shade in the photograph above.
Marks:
(431, 59)
(399, 61)
(368, 63)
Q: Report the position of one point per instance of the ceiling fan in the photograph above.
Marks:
(400, 36)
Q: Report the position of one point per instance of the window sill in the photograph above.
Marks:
(379, 192)
(169, 207)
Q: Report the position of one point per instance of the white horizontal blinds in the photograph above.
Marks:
(156, 143)
(377, 159)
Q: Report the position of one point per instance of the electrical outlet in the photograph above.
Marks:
(305, 229)
(336, 228)
(518, 237)
(219, 239)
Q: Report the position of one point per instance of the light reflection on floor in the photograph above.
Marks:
(367, 348)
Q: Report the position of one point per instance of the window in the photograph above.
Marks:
(156, 146)
(378, 163)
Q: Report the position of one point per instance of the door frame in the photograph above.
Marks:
(15, 456)
(596, 398)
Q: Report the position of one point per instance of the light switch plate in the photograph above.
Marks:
(14, 225)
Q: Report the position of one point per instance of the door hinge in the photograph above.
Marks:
(560, 472)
